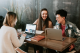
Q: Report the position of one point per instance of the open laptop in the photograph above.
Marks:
(30, 30)
(55, 34)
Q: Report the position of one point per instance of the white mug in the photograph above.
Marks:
(19, 30)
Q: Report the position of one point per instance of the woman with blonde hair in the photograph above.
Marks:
(8, 35)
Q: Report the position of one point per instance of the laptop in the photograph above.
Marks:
(30, 30)
(55, 34)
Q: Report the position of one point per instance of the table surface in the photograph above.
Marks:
(54, 44)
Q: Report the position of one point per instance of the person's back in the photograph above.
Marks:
(6, 42)
(8, 35)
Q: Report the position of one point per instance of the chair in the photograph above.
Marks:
(19, 50)
(1, 20)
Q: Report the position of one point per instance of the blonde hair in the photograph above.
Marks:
(9, 18)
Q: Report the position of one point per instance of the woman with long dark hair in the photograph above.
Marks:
(42, 22)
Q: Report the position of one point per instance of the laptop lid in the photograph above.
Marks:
(30, 28)
(55, 34)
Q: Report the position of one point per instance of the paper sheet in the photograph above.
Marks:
(39, 32)
(29, 39)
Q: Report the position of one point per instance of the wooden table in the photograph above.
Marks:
(53, 44)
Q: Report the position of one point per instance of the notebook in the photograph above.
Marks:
(30, 30)
(37, 38)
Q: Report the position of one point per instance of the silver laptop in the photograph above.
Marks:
(55, 34)
(30, 30)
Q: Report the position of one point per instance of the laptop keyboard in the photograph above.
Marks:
(29, 35)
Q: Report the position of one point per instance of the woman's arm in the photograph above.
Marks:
(14, 38)
(50, 24)
(36, 22)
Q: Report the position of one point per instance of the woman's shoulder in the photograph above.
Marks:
(50, 22)
(13, 28)
(9, 28)
(36, 21)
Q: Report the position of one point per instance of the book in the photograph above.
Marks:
(37, 38)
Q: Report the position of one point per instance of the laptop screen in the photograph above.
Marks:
(30, 28)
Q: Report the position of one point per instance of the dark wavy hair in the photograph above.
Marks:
(62, 13)
(40, 20)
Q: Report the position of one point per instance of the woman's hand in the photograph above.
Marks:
(18, 33)
(24, 35)
(71, 47)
